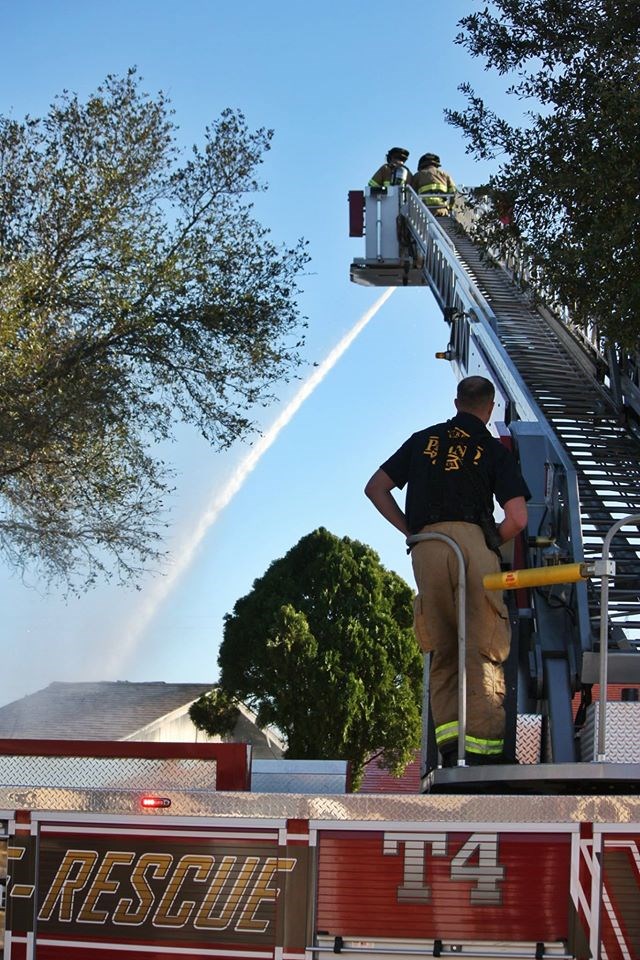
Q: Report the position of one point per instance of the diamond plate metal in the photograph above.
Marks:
(622, 730)
(124, 773)
(528, 737)
(366, 808)
(104, 802)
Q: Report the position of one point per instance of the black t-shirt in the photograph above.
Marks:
(453, 471)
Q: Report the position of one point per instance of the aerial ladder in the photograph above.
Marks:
(571, 411)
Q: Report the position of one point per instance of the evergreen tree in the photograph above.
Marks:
(323, 649)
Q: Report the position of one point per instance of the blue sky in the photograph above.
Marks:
(340, 83)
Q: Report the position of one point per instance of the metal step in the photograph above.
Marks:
(560, 779)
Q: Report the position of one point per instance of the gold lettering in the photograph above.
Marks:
(477, 455)
(431, 449)
(102, 884)
(263, 893)
(229, 893)
(457, 433)
(161, 864)
(455, 456)
(65, 886)
(201, 866)
(234, 897)
(204, 919)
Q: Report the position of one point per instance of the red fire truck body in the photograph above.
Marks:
(192, 869)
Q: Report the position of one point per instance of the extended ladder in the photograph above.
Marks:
(580, 460)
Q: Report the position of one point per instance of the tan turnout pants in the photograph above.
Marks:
(435, 567)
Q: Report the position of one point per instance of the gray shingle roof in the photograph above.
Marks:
(94, 711)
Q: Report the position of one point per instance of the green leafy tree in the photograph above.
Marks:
(214, 712)
(136, 290)
(323, 649)
(571, 171)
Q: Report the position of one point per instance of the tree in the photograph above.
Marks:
(572, 170)
(214, 712)
(136, 289)
(323, 649)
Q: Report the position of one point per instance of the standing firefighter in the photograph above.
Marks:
(432, 184)
(453, 470)
(393, 172)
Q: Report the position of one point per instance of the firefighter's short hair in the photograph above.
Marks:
(475, 392)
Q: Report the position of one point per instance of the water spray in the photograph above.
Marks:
(155, 595)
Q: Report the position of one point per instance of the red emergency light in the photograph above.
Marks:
(154, 803)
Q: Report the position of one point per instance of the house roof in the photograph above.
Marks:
(95, 711)
(378, 780)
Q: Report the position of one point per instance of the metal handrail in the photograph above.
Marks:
(604, 622)
(462, 637)
(587, 333)
(428, 951)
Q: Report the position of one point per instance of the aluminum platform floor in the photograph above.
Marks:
(546, 779)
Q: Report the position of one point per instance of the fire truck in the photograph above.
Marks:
(159, 850)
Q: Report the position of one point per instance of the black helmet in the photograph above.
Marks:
(428, 160)
(398, 153)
